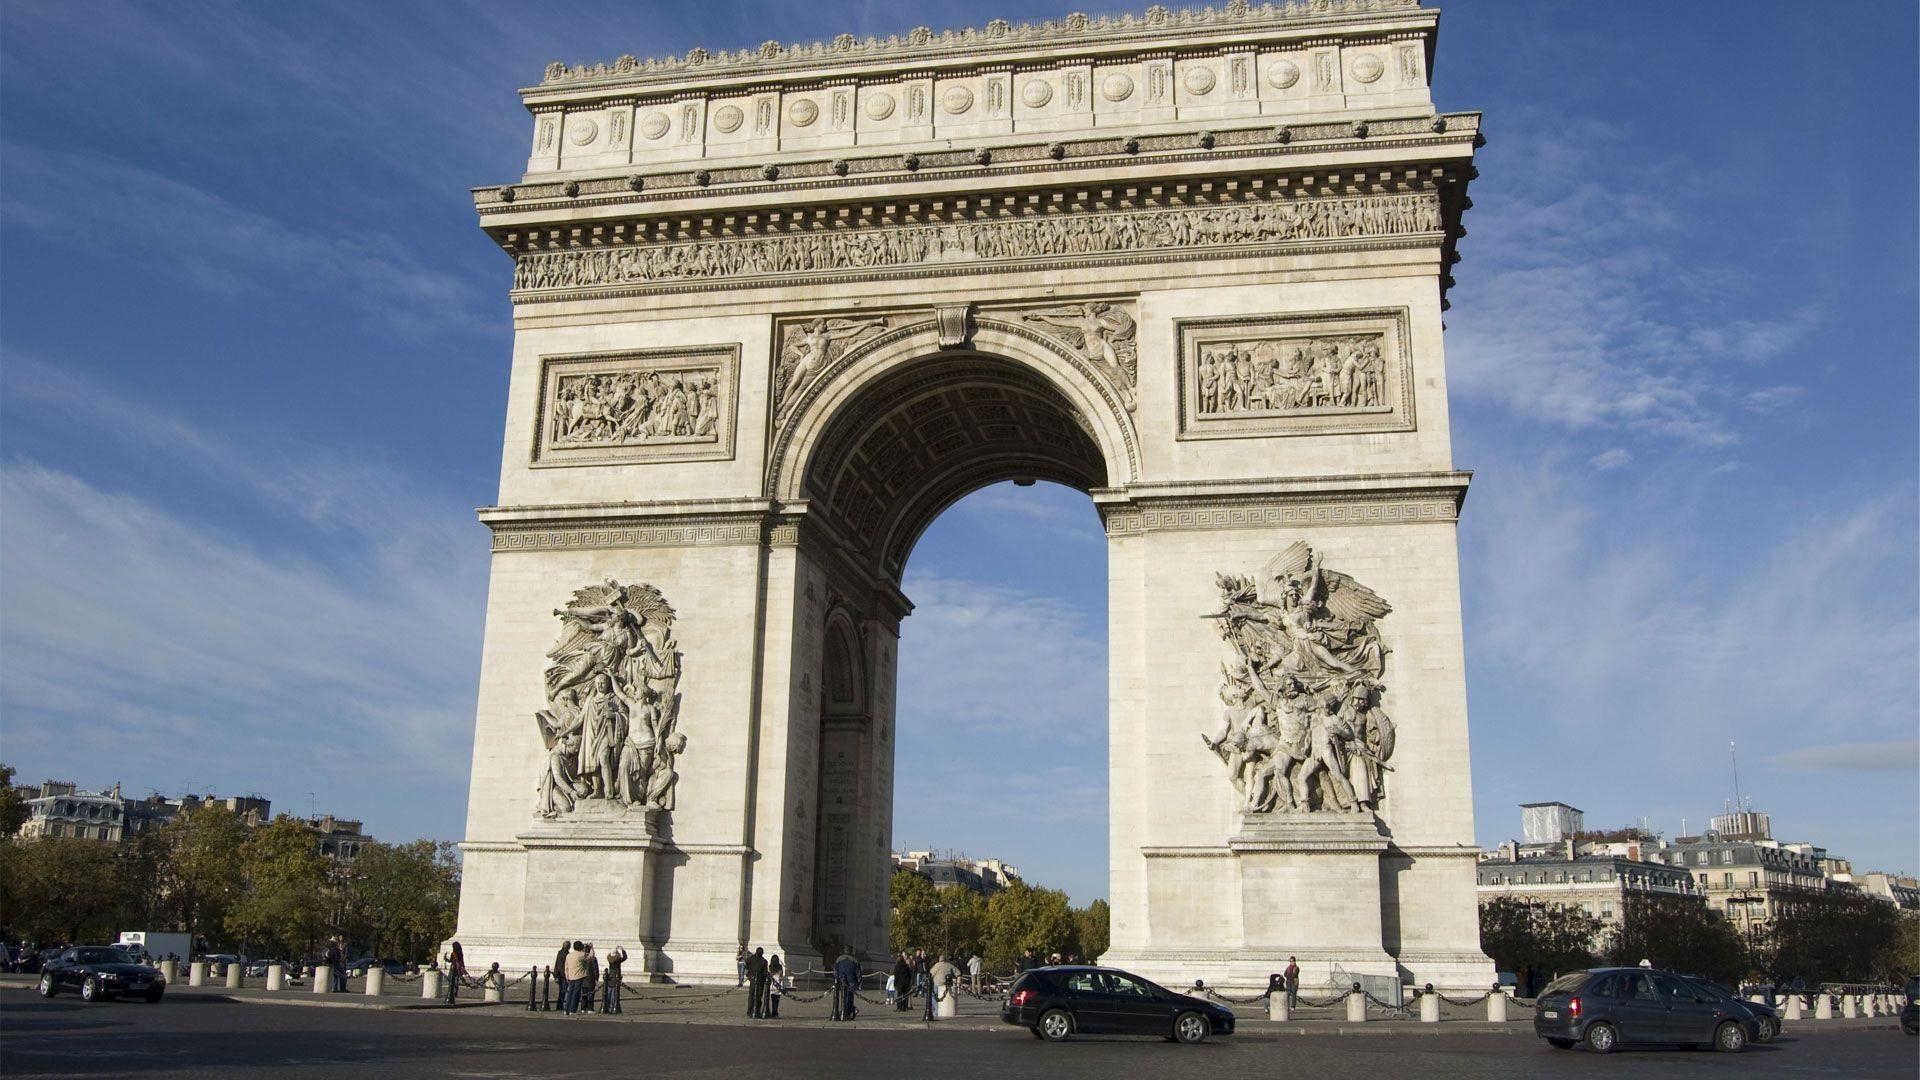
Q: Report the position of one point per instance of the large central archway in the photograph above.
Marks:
(776, 310)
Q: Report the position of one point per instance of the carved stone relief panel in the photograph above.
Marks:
(652, 406)
(611, 725)
(1319, 374)
(1303, 729)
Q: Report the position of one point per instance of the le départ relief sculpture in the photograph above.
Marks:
(1303, 730)
(613, 702)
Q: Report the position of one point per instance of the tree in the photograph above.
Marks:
(916, 911)
(1899, 958)
(285, 904)
(1680, 934)
(13, 808)
(196, 874)
(1093, 923)
(944, 921)
(1023, 918)
(402, 898)
(1826, 937)
(1548, 939)
(69, 890)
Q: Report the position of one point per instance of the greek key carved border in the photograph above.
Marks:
(557, 537)
(1303, 511)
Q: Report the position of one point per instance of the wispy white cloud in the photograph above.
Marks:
(1615, 458)
(1892, 755)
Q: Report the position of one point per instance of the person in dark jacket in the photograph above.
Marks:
(776, 973)
(846, 971)
(456, 970)
(593, 980)
(560, 971)
(903, 983)
(757, 984)
(611, 1001)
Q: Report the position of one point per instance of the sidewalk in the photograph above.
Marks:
(726, 1006)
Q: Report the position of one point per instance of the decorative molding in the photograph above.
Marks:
(923, 43)
(1320, 373)
(1237, 228)
(650, 405)
(676, 533)
(1288, 511)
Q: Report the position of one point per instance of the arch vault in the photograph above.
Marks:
(775, 310)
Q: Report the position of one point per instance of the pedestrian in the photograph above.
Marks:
(892, 990)
(975, 966)
(903, 983)
(740, 966)
(944, 977)
(336, 966)
(559, 971)
(456, 970)
(1292, 977)
(593, 980)
(576, 968)
(846, 972)
(776, 973)
(1026, 962)
(922, 982)
(757, 983)
(611, 1003)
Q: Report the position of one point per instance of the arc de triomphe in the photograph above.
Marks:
(776, 309)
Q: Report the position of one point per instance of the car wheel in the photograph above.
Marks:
(153, 996)
(1190, 1028)
(1560, 1044)
(47, 989)
(90, 990)
(1767, 1030)
(1055, 1025)
(1730, 1039)
(1603, 1038)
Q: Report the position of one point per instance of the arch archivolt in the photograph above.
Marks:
(817, 421)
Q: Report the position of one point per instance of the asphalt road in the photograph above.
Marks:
(212, 1038)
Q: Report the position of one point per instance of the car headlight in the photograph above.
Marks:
(108, 976)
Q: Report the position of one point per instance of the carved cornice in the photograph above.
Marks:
(1316, 502)
(615, 525)
(922, 44)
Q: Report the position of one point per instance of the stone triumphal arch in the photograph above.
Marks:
(775, 309)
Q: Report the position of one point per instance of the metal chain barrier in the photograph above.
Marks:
(1462, 1002)
(1218, 996)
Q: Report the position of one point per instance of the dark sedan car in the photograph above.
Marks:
(97, 973)
(1910, 1012)
(1611, 1007)
(1766, 1018)
(1055, 1002)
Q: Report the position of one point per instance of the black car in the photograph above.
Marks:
(1055, 1002)
(98, 972)
(1766, 1018)
(1910, 1012)
(1610, 1007)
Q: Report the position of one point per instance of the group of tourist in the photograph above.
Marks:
(582, 974)
(765, 979)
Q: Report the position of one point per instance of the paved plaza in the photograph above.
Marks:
(219, 1033)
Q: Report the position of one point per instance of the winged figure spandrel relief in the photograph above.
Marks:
(613, 701)
(1303, 727)
(1103, 335)
(808, 349)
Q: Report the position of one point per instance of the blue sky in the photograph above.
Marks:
(253, 358)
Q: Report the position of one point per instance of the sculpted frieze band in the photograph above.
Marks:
(957, 244)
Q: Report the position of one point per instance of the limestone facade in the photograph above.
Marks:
(777, 309)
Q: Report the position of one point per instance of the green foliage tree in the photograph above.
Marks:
(285, 903)
(402, 898)
(1094, 925)
(1022, 917)
(916, 911)
(1826, 937)
(1899, 958)
(195, 873)
(60, 889)
(13, 808)
(1517, 935)
(1680, 934)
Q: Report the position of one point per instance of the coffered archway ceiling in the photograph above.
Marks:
(923, 437)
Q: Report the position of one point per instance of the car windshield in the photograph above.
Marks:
(1710, 989)
(99, 956)
(1565, 983)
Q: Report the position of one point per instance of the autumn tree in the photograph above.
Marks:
(68, 890)
(285, 903)
(13, 808)
(1826, 937)
(195, 873)
(1093, 924)
(1519, 935)
(1023, 918)
(402, 899)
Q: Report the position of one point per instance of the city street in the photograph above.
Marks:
(209, 1037)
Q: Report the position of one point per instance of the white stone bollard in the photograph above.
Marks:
(1497, 1007)
(430, 984)
(276, 976)
(1277, 1008)
(1849, 1005)
(1429, 1007)
(170, 970)
(1794, 1008)
(236, 976)
(496, 988)
(1871, 1006)
(1356, 1007)
(947, 1007)
(197, 973)
(376, 981)
(1823, 1006)
(323, 979)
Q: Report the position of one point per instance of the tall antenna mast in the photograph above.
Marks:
(1733, 753)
